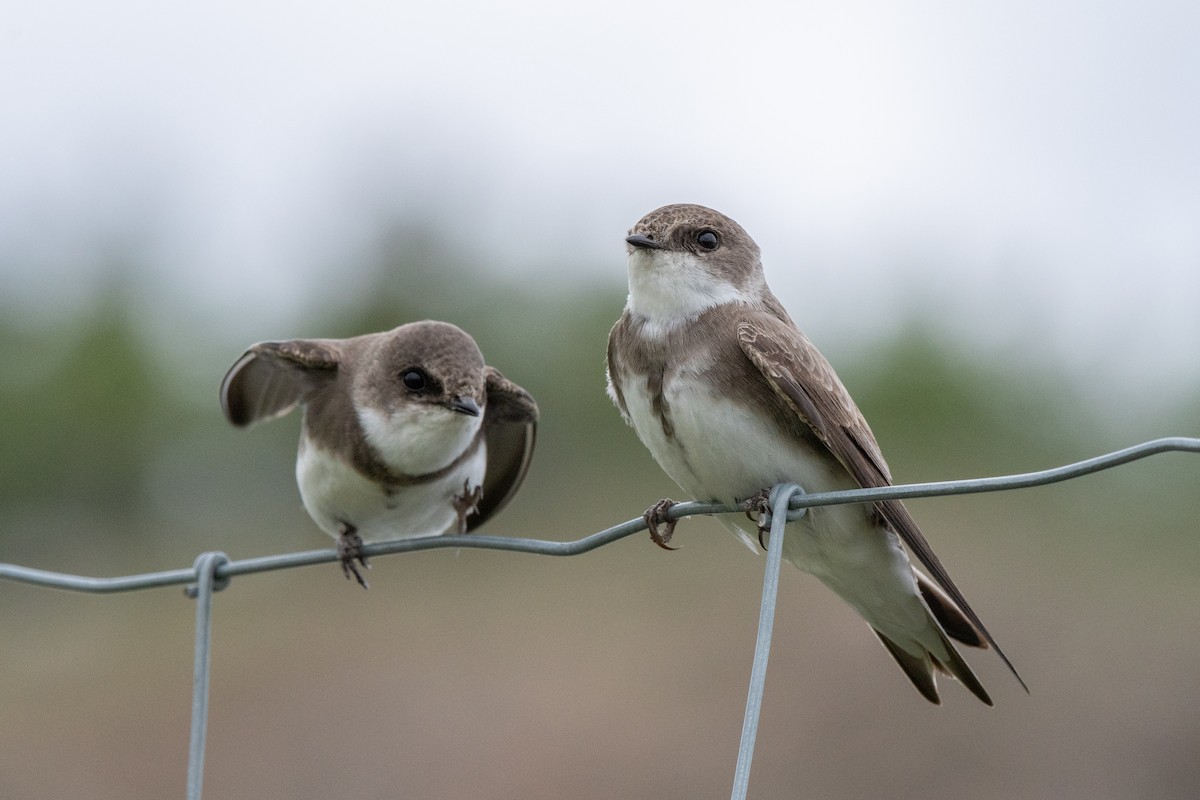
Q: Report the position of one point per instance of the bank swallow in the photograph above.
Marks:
(731, 398)
(405, 433)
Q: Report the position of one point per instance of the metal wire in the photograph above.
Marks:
(212, 571)
(206, 583)
(777, 520)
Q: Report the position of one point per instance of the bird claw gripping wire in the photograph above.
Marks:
(655, 516)
(758, 510)
(349, 550)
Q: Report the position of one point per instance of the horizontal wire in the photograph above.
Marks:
(1003, 482)
(81, 583)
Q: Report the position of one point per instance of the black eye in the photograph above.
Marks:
(708, 240)
(415, 380)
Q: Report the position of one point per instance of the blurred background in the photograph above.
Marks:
(985, 215)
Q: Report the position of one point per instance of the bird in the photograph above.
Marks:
(405, 432)
(731, 398)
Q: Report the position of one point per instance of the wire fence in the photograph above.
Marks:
(212, 571)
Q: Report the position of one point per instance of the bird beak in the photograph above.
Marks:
(641, 241)
(464, 405)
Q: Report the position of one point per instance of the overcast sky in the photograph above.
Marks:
(1009, 167)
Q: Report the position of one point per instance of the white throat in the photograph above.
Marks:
(670, 288)
(418, 438)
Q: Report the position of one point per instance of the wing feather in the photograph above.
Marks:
(803, 379)
(272, 378)
(510, 430)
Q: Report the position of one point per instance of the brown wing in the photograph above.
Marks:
(510, 428)
(272, 378)
(802, 377)
(613, 371)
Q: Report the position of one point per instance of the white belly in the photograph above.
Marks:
(722, 451)
(336, 494)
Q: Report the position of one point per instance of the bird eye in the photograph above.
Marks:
(708, 240)
(415, 380)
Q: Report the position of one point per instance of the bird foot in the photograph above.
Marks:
(349, 549)
(655, 516)
(466, 504)
(757, 507)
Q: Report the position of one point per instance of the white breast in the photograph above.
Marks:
(721, 448)
(723, 451)
(334, 493)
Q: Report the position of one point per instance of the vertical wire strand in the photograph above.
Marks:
(206, 584)
(780, 496)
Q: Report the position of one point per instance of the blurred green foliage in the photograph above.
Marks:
(83, 411)
(967, 412)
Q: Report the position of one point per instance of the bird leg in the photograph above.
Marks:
(466, 504)
(349, 550)
(657, 515)
(757, 506)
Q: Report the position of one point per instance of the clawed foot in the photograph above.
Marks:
(757, 507)
(467, 503)
(349, 549)
(657, 515)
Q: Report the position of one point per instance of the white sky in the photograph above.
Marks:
(1021, 169)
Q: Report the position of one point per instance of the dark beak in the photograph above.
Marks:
(644, 242)
(464, 405)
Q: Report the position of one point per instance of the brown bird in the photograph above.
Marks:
(406, 433)
(731, 398)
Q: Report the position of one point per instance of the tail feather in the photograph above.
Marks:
(917, 669)
(920, 669)
(948, 614)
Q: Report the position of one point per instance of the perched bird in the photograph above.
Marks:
(731, 398)
(406, 433)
